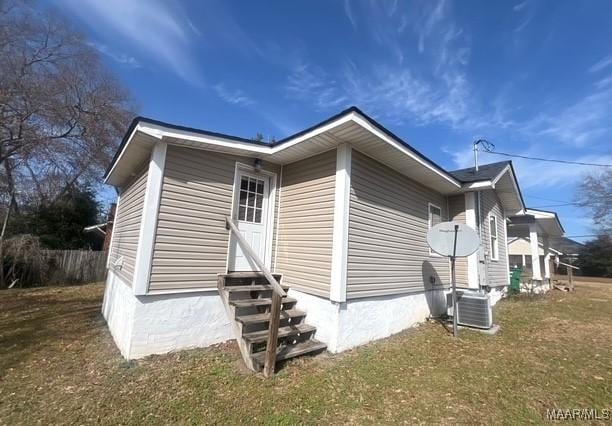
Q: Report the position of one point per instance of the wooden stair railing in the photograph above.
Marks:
(277, 294)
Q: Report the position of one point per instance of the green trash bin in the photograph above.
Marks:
(515, 280)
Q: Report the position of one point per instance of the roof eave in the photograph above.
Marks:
(162, 130)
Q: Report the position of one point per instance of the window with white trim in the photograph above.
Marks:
(434, 217)
(493, 240)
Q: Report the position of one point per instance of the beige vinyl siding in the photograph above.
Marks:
(306, 223)
(126, 228)
(191, 242)
(497, 270)
(456, 212)
(388, 224)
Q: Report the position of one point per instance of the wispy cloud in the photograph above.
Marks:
(604, 82)
(390, 93)
(520, 6)
(601, 64)
(312, 84)
(348, 11)
(579, 124)
(521, 26)
(392, 90)
(233, 96)
(154, 27)
(119, 57)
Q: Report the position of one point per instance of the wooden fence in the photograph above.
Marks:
(76, 266)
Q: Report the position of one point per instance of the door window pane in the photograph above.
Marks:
(244, 183)
(250, 200)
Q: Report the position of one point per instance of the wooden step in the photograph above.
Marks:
(248, 275)
(291, 330)
(247, 288)
(247, 303)
(265, 317)
(291, 351)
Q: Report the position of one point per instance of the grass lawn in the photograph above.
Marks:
(58, 364)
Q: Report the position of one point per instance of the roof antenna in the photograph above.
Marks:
(488, 146)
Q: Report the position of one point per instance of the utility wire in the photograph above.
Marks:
(598, 197)
(581, 236)
(565, 204)
(490, 149)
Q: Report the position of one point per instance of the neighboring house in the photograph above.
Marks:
(559, 248)
(340, 209)
(100, 234)
(529, 244)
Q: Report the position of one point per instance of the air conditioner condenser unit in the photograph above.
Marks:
(473, 309)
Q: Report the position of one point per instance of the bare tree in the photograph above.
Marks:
(61, 112)
(595, 194)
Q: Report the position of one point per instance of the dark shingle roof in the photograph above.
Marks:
(485, 172)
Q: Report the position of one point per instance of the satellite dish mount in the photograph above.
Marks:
(453, 239)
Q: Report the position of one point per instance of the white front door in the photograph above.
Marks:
(251, 210)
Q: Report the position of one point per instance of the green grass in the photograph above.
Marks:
(58, 364)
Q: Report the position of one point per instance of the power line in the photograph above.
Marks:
(581, 236)
(489, 148)
(598, 197)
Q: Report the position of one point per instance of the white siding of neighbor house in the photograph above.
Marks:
(191, 241)
(388, 223)
(126, 228)
(497, 270)
(305, 225)
(456, 212)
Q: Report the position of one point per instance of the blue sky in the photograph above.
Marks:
(533, 77)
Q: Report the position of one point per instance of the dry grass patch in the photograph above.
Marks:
(58, 364)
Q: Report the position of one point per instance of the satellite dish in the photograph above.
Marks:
(453, 239)
(441, 239)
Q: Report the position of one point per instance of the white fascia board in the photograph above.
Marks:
(400, 147)
(540, 214)
(159, 132)
(148, 220)
(337, 292)
(516, 188)
(481, 184)
(312, 133)
(499, 176)
(118, 160)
